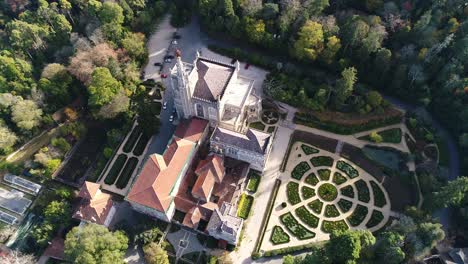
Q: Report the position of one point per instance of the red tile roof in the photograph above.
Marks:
(209, 171)
(191, 129)
(215, 163)
(94, 210)
(88, 190)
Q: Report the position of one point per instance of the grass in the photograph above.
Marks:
(346, 168)
(379, 197)
(299, 170)
(295, 228)
(306, 217)
(116, 167)
(308, 150)
(331, 211)
(324, 161)
(316, 206)
(363, 191)
(312, 179)
(126, 173)
(324, 174)
(278, 236)
(245, 204)
(375, 219)
(338, 178)
(257, 125)
(254, 181)
(292, 191)
(358, 215)
(132, 139)
(344, 205)
(347, 191)
(307, 192)
(330, 226)
(327, 192)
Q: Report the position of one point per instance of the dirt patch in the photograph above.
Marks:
(322, 142)
(352, 119)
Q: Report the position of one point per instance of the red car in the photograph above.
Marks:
(163, 75)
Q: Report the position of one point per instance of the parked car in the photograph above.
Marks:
(157, 64)
(163, 75)
(165, 105)
(171, 118)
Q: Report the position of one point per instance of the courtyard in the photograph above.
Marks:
(321, 192)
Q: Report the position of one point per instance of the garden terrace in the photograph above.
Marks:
(345, 205)
(379, 197)
(324, 174)
(307, 192)
(300, 170)
(375, 219)
(327, 192)
(254, 181)
(293, 193)
(331, 211)
(338, 179)
(316, 206)
(312, 179)
(306, 217)
(322, 161)
(348, 169)
(126, 173)
(115, 169)
(295, 228)
(132, 139)
(347, 191)
(141, 145)
(358, 215)
(308, 150)
(279, 236)
(330, 226)
(363, 191)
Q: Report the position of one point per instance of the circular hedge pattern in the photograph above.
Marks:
(327, 192)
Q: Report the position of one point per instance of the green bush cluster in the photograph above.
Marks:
(312, 179)
(375, 219)
(327, 192)
(363, 191)
(254, 181)
(316, 206)
(358, 215)
(348, 169)
(308, 150)
(347, 191)
(345, 205)
(292, 189)
(331, 211)
(307, 192)
(295, 228)
(245, 204)
(324, 174)
(306, 217)
(330, 226)
(299, 170)
(388, 136)
(379, 197)
(338, 178)
(322, 161)
(278, 236)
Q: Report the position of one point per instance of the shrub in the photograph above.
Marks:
(254, 181)
(295, 228)
(132, 139)
(292, 189)
(307, 192)
(375, 137)
(126, 173)
(324, 174)
(107, 152)
(363, 191)
(379, 197)
(391, 135)
(348, 169)
(347, 191)
(338, 178)
(61, 144)
(327, 192)
(330, 226)
(345, 205)
(331, 211)
(245, 204)
(322, 161)
(308, 150)
(375, 219)
(278, 236)
(312, 179)
(306, 217)
(116, 167)
(358, 215)
(299, 170)
(316, 206)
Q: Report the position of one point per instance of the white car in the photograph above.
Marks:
(165, 105)
(171, 118)
(174, 42)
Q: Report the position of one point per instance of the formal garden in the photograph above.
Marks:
(322, 192)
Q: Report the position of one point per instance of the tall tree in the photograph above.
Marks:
(103, 87)
(26, 114)
(310, 44)
(345, 86)
(454, 194)
(154, 254)
(346, 246)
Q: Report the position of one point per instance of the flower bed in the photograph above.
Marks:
(327, 192)
(299, 170)
(254, 181)
(307, 192)
(115, 170)
(345, 205)
(363, 191)
(347, 191)
(279, 236)
(295, 228)
(375, 219)
(379, 197)
(312, 179)
(338, 178)
(126, 173)
(306, 217)
(331, 211)
(358, 215)
(316, 206)
(308, 150)
(348, 169)
(324, 174)
(330, 226)
(292, 189)
(322, 161)
(245, 204)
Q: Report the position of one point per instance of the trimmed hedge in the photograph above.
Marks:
(115, 170)
(338, 178)
(254, 181)
(308, 150)
(347, 191)
(379, 197)
(292, 191)
(307, 192)
(331, 211)
(327, 192)
(132, 139)
(363, 191)
(322, 161)
(316, 206)
(126, 173)
(346, 168)
(312, 179)
(358, 215)
(330, 226)
(279, 236)
(375, 219)
(300, 170)
(345, 205)
(295, 228)
(306, 217)
(324, 174)
(245, 204)
(141, 145)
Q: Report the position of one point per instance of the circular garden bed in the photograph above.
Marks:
(327, 192)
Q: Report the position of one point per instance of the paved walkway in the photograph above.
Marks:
(184, 242)
(295, 159)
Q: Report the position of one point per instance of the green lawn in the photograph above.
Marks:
(245, 204)
(257, 125)
(254, 181)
